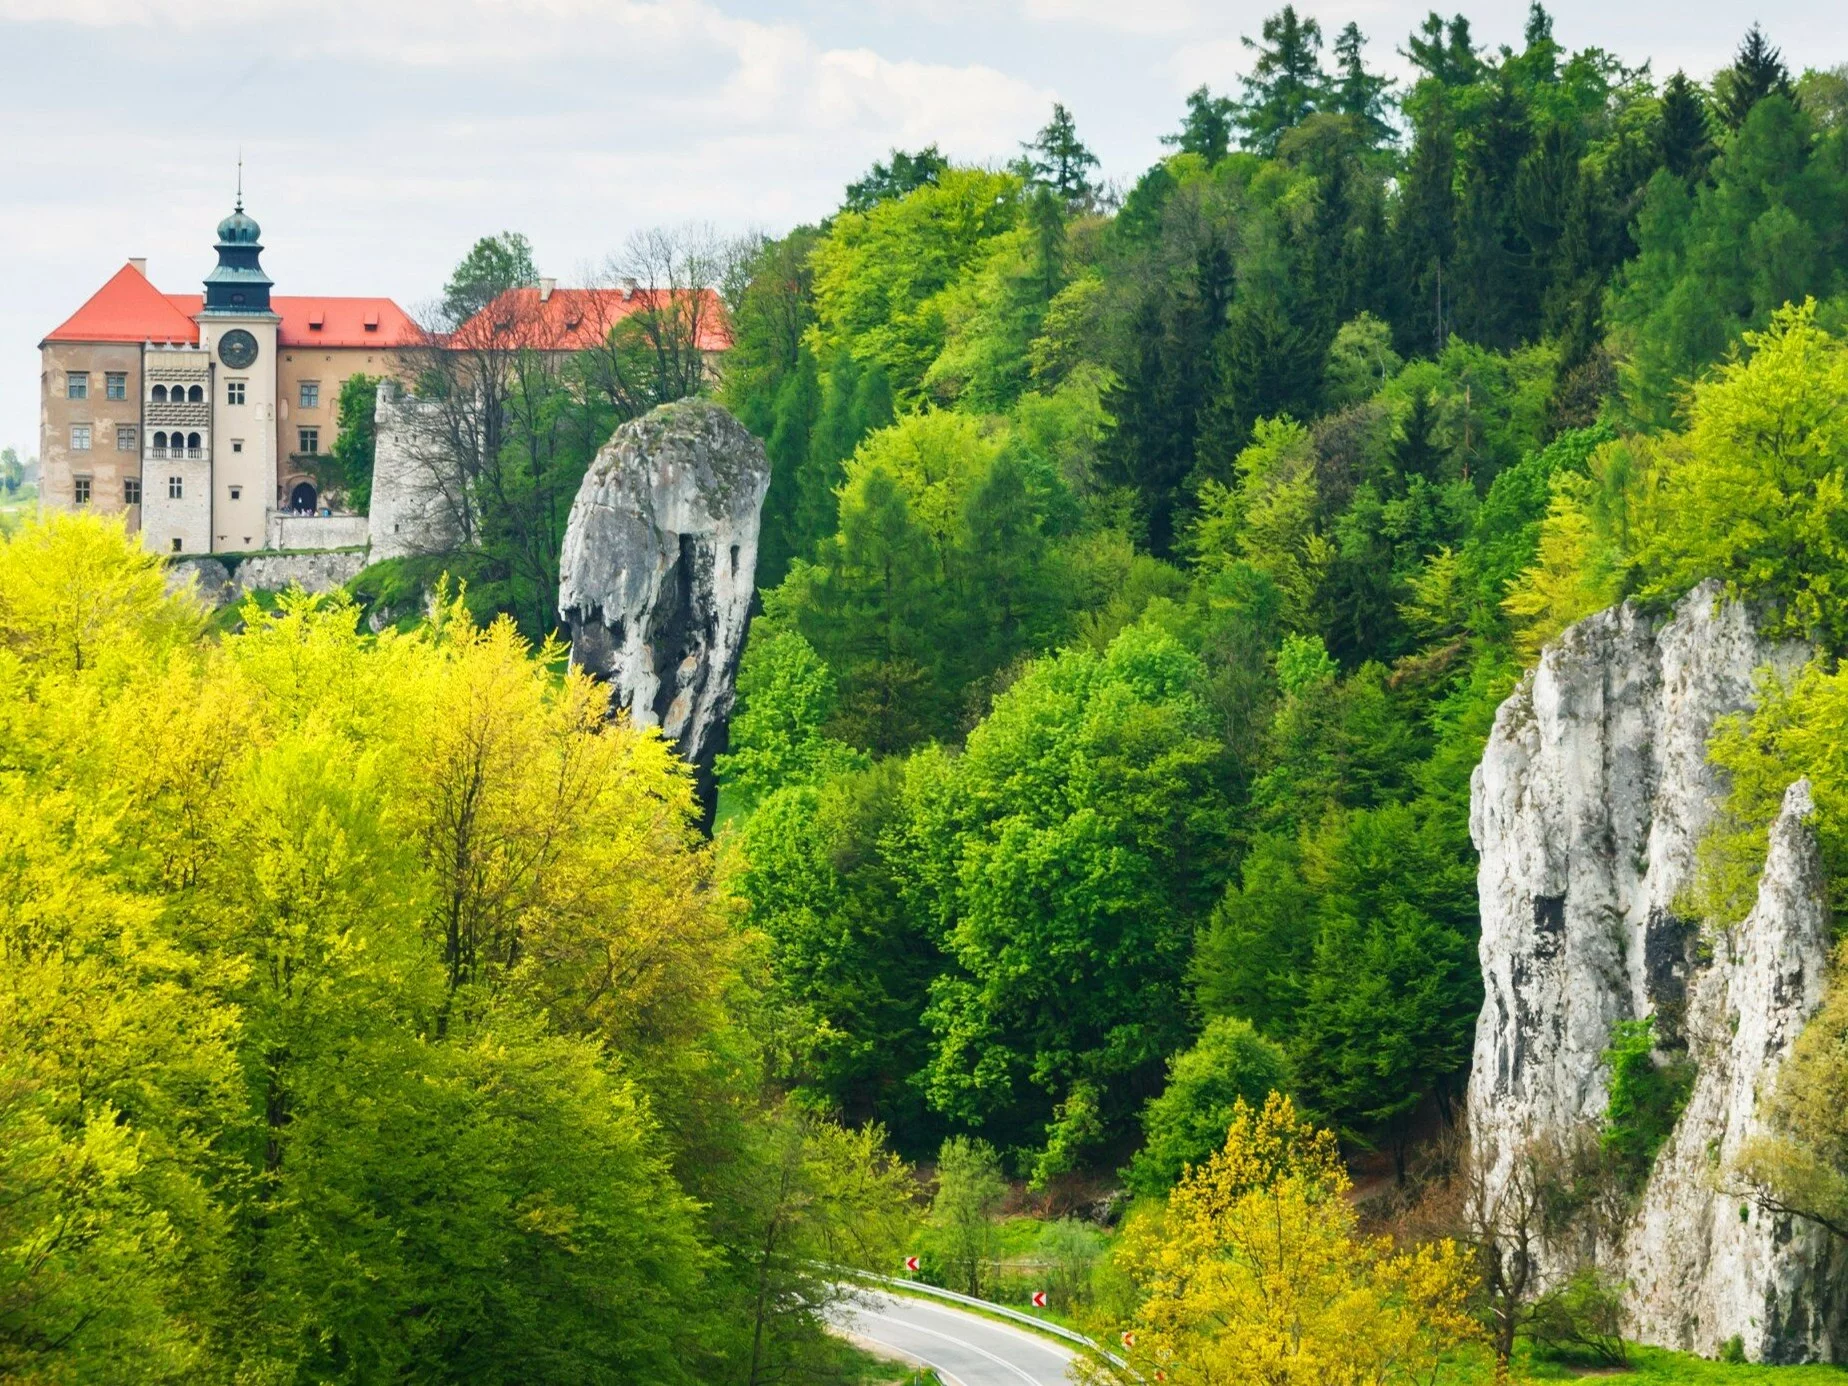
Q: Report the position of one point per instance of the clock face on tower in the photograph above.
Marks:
(237, 349)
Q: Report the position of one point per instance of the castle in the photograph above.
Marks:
(200, 416)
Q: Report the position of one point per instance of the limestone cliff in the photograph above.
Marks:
(656, 575)
(1587, 810)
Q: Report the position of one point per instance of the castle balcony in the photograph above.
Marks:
(168, 452)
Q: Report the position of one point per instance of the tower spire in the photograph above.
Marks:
(240, 178)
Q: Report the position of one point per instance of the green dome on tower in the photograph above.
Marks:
(238, 283)
(238, 228)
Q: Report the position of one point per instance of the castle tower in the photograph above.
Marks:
(238, 331)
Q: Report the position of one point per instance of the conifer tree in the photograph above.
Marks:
(905, 173)
(783, 533)
(1424, 239)
(1059, 160)
(1287, 84)
(1757, 71)
(1357, 92)
(1206, 129)
(1686, 142)
(1541, 54)
(1497, 295)
(1444, 51)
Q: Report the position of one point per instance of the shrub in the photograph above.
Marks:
(1582, 1316)
(1646, 1096)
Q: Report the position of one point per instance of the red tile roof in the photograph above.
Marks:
(342, 322)
(127, 309)
(130, 309)
(573, 319)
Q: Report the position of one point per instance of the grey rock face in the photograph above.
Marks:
(221, 585)
(1587, 810)
(656, 575)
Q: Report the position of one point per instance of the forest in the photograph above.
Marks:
(1142, 568)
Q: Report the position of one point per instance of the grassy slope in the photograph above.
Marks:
(1648, 1366)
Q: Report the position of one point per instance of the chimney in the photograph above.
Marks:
(140, 262)
(545, 288)
(628, 290)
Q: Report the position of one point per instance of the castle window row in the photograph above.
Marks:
(131, 490)
(180, 394)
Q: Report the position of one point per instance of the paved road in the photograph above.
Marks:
(966, 1349)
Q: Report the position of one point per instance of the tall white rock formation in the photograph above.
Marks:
(658, 566)
(1587, 810)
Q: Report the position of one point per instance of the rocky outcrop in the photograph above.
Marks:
(1587, 810)
(222, 582)
(656, 575)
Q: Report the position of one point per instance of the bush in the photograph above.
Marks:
(1646, 1097)
(1070, 1249)
(1582, 1317)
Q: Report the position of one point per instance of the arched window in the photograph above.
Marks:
(196, 395)
(160, 439)
(160, 396)
(192, 444)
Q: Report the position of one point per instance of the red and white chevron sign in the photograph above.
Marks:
(911, 1263)
(1129, 1337)
(1039, 1299)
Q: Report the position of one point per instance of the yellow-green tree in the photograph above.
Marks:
(1256, 1271)
(369, 1010)
(1756, 493)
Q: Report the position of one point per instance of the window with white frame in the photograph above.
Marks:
(310, 440)
(76, 384)
(131, 490)
(125, 437)
(234, 391)
(311, 394)
(80, 437)
(80, 489)
(176, 488)
(115, 384)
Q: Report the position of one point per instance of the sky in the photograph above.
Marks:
(380, 138)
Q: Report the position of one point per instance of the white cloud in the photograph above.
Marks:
(1128, 16)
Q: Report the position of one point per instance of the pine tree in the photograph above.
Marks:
(1443, 51)
(1424, 239)
(798, 401)
(1757, 71)
(1497, 289)
(836, 433)
(1287, 84)
(1269, 364)
(1158, 401)
(1046, 215)
(1357, 92)
(1206, 130)
(1417, 451)
(906, 173)
(1542, 51)
(873, 616)
(1686, 142)
(1059, 160)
